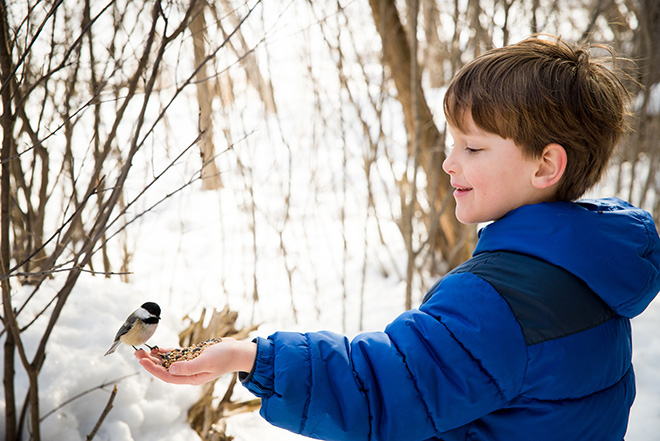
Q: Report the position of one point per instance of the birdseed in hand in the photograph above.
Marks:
(187, 354)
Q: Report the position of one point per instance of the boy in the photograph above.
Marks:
(528, 340)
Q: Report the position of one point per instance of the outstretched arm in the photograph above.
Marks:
(229, 355)
(460, 356)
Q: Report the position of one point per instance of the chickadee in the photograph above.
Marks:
(138, 327)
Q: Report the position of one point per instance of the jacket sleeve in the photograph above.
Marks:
(458, 357)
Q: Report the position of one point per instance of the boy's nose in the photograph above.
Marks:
(449, 165)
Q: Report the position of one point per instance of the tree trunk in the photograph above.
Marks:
(396, 50)
(210, 173)
(7, 123)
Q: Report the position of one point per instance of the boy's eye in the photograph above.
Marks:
(472, 150)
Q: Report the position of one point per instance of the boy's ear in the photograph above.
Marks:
(552, 165)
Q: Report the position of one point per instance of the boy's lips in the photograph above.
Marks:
(460, 190)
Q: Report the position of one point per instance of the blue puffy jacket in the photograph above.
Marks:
(528, 340)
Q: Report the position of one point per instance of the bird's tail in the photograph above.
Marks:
(114, 346)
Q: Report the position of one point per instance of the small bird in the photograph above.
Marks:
(138, 327)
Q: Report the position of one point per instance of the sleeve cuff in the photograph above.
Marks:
(259, 380)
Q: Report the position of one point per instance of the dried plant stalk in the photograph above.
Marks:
(205, 417)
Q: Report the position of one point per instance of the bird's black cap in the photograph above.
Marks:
(152, 307)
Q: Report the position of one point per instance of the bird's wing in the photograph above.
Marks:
(113, 347)
(128, 324)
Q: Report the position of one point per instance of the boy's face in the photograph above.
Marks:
(491, 175)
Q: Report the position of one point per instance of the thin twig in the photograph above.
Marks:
(106, 411)
(63, 270)
(85, 392)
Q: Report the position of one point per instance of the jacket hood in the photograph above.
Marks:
(608, 243)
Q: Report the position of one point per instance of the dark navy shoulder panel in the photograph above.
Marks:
(548, 301)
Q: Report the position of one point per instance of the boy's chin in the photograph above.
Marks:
(467, 219)
(477, 217)
(465, 222)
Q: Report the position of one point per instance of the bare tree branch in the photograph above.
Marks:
(106, 411)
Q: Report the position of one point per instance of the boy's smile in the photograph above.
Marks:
(490, 175)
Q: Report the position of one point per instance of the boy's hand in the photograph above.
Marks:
(229, 355)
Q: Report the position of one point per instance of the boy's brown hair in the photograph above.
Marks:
(539, 92)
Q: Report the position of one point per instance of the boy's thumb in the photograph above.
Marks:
(183, 368)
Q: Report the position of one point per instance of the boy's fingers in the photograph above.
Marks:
(163, 374)
(142, 354)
